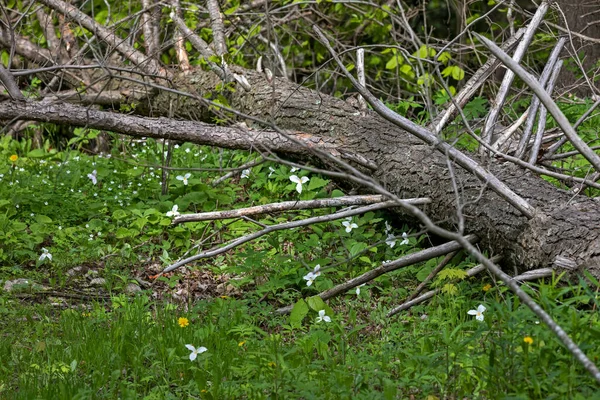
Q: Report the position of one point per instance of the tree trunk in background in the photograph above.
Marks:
(582, 16)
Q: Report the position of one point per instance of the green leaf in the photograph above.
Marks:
(392, 62)
(458, 73)
(316, 183)
(316, 303)
(43, 219)
(298, 313)
(444, 57)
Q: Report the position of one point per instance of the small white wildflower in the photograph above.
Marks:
(404, 239)
(323, 317)
(272, 170)
(349, 226)
(358, 289)
(391, 240)
(478, 313)
(245, 173)
(45, 254)
(195, 351)
(173, 212)
(184, 178)
(299, 182)
(92, 176)
(294, 169)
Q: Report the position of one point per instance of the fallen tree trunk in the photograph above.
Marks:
(564, 232)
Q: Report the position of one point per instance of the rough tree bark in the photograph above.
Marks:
(563, 233)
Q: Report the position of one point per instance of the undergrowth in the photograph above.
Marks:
(115, 222)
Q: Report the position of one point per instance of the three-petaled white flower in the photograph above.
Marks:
(311, 276)
(391, 240)
(405, 239)
(272, 170)
(92, 176)
(478, 313)
(388, 227)
(323, 317)
(173, 212)
(299, 182)
(294, 169)
(246, 173)
(45, 254)
(184, 178)
(358, 289)
(195, 351)
(349, 225)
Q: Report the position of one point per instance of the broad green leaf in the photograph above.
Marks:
(298, 313)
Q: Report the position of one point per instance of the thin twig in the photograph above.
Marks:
(278, 227)
(545, 98)
(384, 268)
(344, 201)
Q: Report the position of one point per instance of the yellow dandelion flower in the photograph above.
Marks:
(528, 339)
(224, 297)
(183, 322)
(487, 287)
(243, 342)
(13, 158)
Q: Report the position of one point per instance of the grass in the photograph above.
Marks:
(134, 345)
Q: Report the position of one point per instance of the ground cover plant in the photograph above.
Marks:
(83, 313)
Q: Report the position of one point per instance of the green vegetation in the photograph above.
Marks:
(124, 345)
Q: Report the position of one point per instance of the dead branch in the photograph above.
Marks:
(278, 227)
(492, 116)
(539, 135)
(428, 137)
(535, 103)
(344, 201)
(545, 98)
(386, 267)
(148, 65)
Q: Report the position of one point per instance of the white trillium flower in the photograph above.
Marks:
(195, 351)
(388, 227)
(358, 289)
(92, 176)
(45, 254)
(349, 226)
(309, 278)
(391, 240)
(246, 173)
(272, 170)
(299, 182)
(184, 178)
(173, 212)
(478, 313)
(294, 169)
(404, 239)
(323, 317)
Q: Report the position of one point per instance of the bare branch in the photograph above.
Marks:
(278, 227)
(539, 135)
(535, 103)
(200, 45)
(472, 86)
(218, 29)
(560, 118)
(145, 63)
(405, 261)
(492, 116)
(151, 40)
(8, 80)
(344, 201)
(428, 137)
